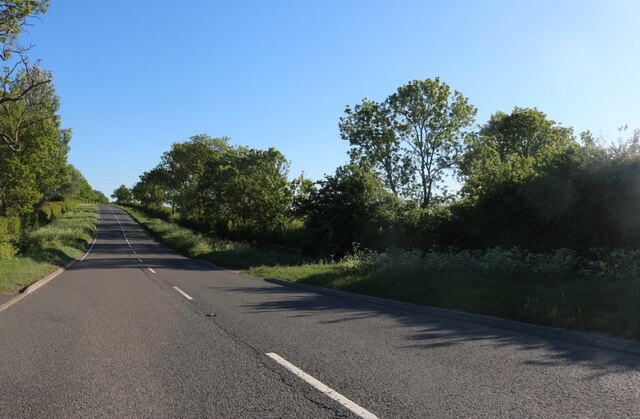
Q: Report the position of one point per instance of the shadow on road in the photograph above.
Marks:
(430, 331)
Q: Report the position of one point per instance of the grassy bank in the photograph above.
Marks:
(597, 292)
(48, 248)
(231, 255)
(561, 289)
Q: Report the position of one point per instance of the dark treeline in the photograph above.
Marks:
(526, 181)
(37, 183)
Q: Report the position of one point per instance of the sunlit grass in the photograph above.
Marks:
(49, 248)
(594, 296)
(230, 254)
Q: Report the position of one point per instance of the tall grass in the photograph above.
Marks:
(599, 291)
(48, 248)
(230, 254)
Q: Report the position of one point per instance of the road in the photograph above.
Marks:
(115, 335)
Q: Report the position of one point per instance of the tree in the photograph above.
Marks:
(152, 188)
(40, 163)
(122, 195)
(185, 165)
(75, 186)
(247, 193)
(430, 122)
(18, 77)
(18, 187)
(352, 206)
(412, 139)
(369, 127)
(100, 197)
(512, 148)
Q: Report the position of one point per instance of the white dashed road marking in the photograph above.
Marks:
(327, 391)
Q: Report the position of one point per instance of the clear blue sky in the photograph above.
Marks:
(135, 76)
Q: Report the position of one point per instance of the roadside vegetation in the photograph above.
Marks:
(40, 226)
(561, 289)
(230, 254)
(48, 248)
(598, 292)
(545, 227)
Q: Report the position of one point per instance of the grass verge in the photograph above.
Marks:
(562, 289)
(607, 304)
(49, 248)
(231, 255)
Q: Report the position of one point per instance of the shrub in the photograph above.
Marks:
(50, 211)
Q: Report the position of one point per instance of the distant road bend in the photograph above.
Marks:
(136, 330)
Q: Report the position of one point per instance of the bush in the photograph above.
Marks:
(50, 211)
(9, 227)
(9, 234)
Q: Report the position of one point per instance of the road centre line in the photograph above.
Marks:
(184, 294)
(327, 391)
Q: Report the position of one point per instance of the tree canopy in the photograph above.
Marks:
(413, 139)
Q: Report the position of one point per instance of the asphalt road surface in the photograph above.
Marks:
(116, 335)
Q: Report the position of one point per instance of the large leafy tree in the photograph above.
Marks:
(413, 139)
(184, 166)
(122, 195)
(75, 186)
(511, 148)
(431, 122)
(247, 193)
(40, 164)
(152, 188)
(350, 208)
(371, 131)
(18, 77)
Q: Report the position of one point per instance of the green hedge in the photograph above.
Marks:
(9, 227)
(50, 211)
(9, 233)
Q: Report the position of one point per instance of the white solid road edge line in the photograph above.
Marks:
(327, 391)
(92, 244)
(184, 294)
(31, 288)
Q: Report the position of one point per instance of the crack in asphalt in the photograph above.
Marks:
(286, 379)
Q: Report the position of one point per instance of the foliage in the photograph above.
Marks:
(231, 254)
(122, 195)
(232, 192)
(75, 186)
(50, 247)
(565, 194)
(512, 148)
(247, 194)
(38, 172)
(152, 190)
(562, 288)
(350, 207)
(181, 170)
(50, 211)
(19, 80)
(370, 129)
(416, 134)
